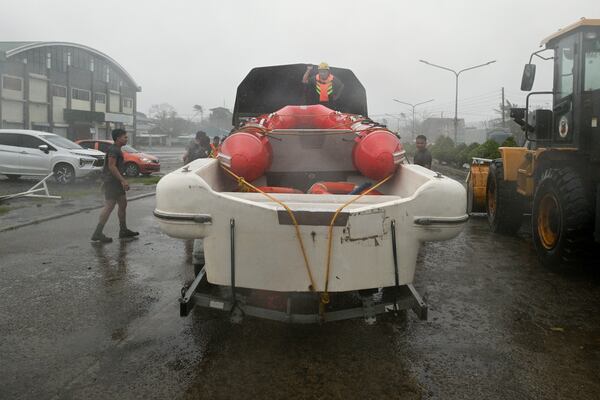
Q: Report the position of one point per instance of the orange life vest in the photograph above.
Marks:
(214, 150)
(324, 88)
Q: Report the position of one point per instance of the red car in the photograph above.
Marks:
(136, 162)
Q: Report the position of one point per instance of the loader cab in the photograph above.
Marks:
(573, 121)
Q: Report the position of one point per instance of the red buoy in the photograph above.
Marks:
(247, 153)
(377, 153)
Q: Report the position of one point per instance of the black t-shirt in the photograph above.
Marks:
(423, 158)
(113, 151)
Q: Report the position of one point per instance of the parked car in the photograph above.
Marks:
(35, 153)
(136, 162)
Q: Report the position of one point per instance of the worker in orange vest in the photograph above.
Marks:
(214, 146)
(327, 87)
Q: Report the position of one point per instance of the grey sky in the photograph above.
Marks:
(196, 52)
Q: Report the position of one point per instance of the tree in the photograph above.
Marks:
(464, 156)
(198, 109)
(443, 149)
(162, 111)
(168, 122)
(488, 149)
(515, 129)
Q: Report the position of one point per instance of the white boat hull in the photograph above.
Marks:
(195, 202)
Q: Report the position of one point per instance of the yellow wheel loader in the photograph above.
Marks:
(556, 175)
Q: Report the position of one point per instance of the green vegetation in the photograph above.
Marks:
(410, 149)
(4, 210)
(445, 151)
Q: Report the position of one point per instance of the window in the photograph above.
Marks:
(61, 142)
(87, 145)
(127, 103)
(591, 62)
(80, 94)
(100, 98)
(128, 149)
(10, 139)
(31, 142)
(12, 83)
(59, 91)
(103, 146)
(592, 71)
(565, 58)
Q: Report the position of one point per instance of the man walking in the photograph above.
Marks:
(422, 156)
(114, 187)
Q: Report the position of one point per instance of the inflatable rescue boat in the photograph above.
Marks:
(308, 199)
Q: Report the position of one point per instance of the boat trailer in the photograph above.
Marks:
(294, 307)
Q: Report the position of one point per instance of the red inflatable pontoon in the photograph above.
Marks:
(376, 153)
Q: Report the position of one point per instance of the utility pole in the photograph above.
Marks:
(503, 112)
(397, 119)
(413, 113)
(456, 74)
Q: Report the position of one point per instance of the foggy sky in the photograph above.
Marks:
(196, 52)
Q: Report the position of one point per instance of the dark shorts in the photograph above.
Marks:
(113, 190)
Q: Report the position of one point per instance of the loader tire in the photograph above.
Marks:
(562, 219)
(504, 205)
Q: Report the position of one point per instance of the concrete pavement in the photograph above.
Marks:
(89, 321)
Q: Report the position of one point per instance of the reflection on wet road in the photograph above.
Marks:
(86, 321)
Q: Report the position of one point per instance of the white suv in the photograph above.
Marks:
(35, 153)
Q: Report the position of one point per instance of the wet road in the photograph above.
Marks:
(79, 321)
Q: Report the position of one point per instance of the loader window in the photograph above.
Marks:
(591, 79)
(565, 69)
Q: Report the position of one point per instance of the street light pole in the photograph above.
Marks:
(413, 106)
(456, 74)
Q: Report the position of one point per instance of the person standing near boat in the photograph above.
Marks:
(324, 85)
(197, 148)
(214, 146)
(422, 156)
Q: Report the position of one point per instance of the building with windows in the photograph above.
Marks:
(66, 88)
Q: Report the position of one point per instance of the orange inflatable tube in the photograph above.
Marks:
(337, 188)
(279, 189)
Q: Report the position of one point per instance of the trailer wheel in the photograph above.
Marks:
(562, 219)
(504, 205)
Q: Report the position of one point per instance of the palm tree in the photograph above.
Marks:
(198, 110)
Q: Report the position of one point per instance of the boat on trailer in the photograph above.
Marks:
(307, 214)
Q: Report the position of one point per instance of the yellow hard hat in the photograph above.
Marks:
(324, 65)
